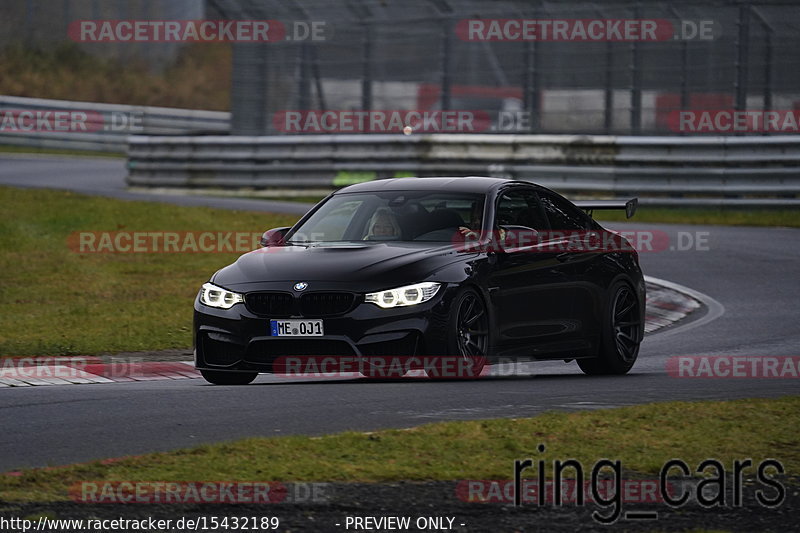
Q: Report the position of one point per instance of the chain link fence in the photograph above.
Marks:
(374, 55)
(390, 64)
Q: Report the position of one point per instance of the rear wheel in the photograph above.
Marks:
(218, 377)
(621, 333)
(468, 338)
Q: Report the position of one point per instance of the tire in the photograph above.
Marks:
(621, 333)
(218, 377)
(467, 338)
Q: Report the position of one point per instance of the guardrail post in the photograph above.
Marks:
(318, 80)
(608, 97)
(684, 67)
(304, 87)
(445, 68)
(366, 69)
(742, 56)
(767, 92)
(636, 81)
(530, 93)
(249, 89)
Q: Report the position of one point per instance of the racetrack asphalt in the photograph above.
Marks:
(749, 277)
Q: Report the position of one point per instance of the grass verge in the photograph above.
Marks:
(59, 302)
(642, 437)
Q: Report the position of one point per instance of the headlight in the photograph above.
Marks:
(403, 296)
(214, 296)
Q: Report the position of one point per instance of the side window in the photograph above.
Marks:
(520, 208)
(562, 214)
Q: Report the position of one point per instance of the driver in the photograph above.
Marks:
(383, 225)
(472, 229)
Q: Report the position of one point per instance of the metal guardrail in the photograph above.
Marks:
(107, 126)
(753, 171)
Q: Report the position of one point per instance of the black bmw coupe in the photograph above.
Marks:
(469, 269)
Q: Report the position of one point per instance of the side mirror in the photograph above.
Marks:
(513, 237)
(274, 237)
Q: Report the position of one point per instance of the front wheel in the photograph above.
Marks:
(468, 338)
(621, 333)
(218, 377)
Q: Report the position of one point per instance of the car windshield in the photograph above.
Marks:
(430, 216)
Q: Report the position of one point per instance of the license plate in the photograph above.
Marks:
(296, 328)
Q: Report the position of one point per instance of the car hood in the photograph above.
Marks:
(358, 265)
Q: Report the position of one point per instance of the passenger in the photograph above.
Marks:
(383, 226)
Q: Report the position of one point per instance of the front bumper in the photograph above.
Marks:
(237, 339)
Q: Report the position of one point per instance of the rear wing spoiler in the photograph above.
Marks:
(628, 205)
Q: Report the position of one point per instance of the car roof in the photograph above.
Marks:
(473, 184)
